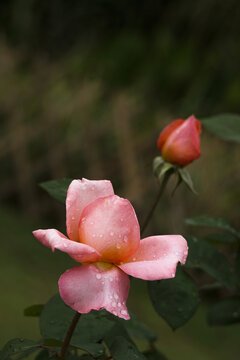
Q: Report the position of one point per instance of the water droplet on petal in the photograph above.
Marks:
(114, 304)
(100, 235)
(118, 246)
(114, 312)
(65, 245)
(111, 233)
(98, 276)
(125, 238)
(119, 304)
(123, 312)
(116, 296)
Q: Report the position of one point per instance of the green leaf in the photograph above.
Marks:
(207, 257)
(175, 300)
(238, 266)
(57, 188)
(186, 178)
(138, 330)
(154, 355)
(44, 355)
(16, 346)
(157, 164)
(225, 126)
(117, 330)
(214, 222)
(121, 349)
(34, 310)
(221, 238)
(91, 328)
(226, 312)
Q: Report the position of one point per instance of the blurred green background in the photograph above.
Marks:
(85, 89)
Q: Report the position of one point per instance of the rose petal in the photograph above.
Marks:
(94, 287)
(167, 131)
(53, 239)
(157, 257)
(110, 226)
(183, 144)
(80, 194)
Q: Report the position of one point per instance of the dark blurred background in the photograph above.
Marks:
(85, 89)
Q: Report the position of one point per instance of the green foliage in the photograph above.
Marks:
(207, 257)
(225, 312)
(57, 188)
(154, 355)
(186, 178)
(214, 222)
(176, 300)
(122, 349)
(221, 238)
(34, 310)
(16, 346)
(137, 329)
(225, 126)
(89, 330)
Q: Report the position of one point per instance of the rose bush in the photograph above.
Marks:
(179, 142)
(104, 235)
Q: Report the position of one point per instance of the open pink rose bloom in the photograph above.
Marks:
(179, 142)
(104, 235)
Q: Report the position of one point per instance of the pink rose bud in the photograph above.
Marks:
(179, 142)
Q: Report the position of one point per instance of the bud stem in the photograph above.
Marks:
(159, 194)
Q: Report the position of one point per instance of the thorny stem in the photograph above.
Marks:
(68, 336)
(159, 194)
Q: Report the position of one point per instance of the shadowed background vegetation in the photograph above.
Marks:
(85, 89)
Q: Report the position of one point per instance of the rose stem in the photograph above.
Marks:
(159, 194)
(68, 336)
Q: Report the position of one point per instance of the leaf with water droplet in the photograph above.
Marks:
(18, 345)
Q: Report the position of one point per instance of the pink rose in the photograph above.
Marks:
(104, 235)
(179, 142)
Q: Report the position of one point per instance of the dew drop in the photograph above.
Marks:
(114, 304)
(119, 304)
(111, 233)
(121, 219)
(123, 312)
(93, 235)
(116, 296)
(125, 239)
(114, 312)
(100, 235)
(173, 275)
(65, 245)
(118, 246)
(98, 276)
